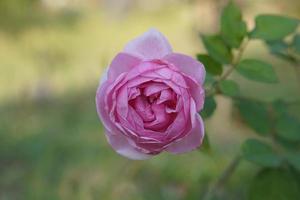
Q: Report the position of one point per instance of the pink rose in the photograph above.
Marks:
(149, 99)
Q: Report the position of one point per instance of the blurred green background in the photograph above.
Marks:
(52, 54)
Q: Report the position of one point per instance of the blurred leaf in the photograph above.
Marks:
(211, 66)
(294, 159)
(280, 107)
(274, 184)
(279, 48)
(296, 42)
(209, 79)
(260, 153)
(255, 115)
(233, 28)
(257, 70)
(273, 27)
(210, 106)
(229, 87)
(217, 49)
(205, 146)
(288, 127)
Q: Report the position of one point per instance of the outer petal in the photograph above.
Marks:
(123, 62)
(187, 65)
(121, 145)
(150, 45)
(191, 141)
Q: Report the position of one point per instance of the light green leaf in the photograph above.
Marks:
(209, 107)
(211, 66)
(273, 27)
(288, 127)
(229, 87)
(255, 115)
(274, 184)
(217, 48)
(257, 70)
(233, 28)
(260, 153)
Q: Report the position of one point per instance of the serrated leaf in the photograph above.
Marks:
(257, 70)
(274, 184)
(210, 106)
(211, 66)
(217, 48)
(288, 127)
(229, 88)
(296, 43)
(233, 28)
(273, 27)
(255, 115)
(260, 153)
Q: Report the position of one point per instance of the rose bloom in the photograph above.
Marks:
(149, 98)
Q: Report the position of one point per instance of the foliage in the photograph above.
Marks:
(277, 152)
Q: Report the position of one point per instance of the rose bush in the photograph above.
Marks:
(148, 101)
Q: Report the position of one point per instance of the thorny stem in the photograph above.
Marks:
(229, 170)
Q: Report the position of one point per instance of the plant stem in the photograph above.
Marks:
(211, 91)
(229, 170)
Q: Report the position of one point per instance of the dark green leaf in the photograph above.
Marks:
(211, 66)
(273, 27)
(205, 146)
(209, 107)
(296, 43)
(260, 153)
(294, 159)
(288, 127)
(233, 28)
(217, 49)
(229, 87)
(255, 115)
(257, 70)
(274, 184)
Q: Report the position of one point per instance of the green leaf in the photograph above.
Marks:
(288, 127)
(296, 43)
(294, 159)
(210, 106)
(229, 87)
(205, 146)
(209, 79)
(233, 28)
(217, 48)
(211, 66)
(273, 27)
(279, 48)
(257, 70)
(255, 115)
(260, 153)
(274, 184)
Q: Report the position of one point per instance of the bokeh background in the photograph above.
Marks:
(52, 54)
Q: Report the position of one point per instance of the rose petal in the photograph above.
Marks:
(191, 141)
(121, 145)
(187, 65)
(123, 62)
(150, 45)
